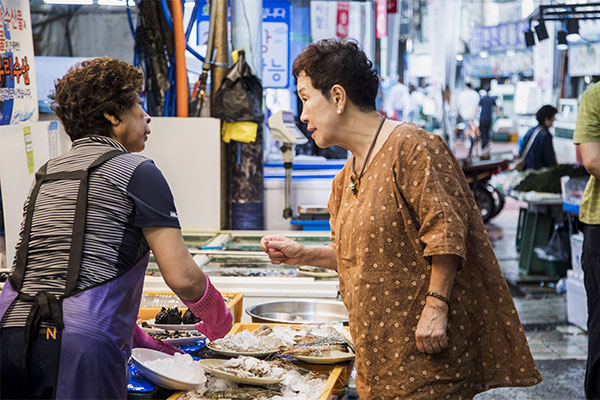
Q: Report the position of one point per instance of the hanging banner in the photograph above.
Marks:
(584, 59)
(508, 36)
(18, 94)
(392, 6)
(323, 19)
(276, 44)
(381, 19)
(343, 18)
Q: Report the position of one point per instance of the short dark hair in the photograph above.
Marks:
(330, 61)
(545, 112)
(468, 84)
(94, 87)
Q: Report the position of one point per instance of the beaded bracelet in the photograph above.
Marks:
(439, 297)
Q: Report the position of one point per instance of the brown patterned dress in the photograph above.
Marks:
(413, 203)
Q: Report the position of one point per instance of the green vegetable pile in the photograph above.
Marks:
(547, 180)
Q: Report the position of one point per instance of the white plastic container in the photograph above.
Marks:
(577, 313)
(314, 191)
(576, 250)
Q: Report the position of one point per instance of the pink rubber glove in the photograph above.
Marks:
(142, 339)
(211, 308)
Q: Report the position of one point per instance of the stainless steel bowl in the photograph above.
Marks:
(299, 312)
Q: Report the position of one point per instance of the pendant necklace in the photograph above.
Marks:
(355, 180)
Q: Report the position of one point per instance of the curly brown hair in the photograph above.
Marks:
(94, 87)
(331, 61)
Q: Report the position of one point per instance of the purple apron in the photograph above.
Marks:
(96, 323)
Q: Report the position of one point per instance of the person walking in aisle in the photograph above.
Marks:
(587, 135)
(398, 98)
(430, 313)
(487, 104)
(68, 310)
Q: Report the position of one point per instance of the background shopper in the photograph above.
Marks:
(541, 151)
(587, 135)
(487, 105)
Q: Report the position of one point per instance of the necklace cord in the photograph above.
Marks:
(362, 171)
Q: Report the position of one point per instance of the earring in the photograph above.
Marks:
(339, 111)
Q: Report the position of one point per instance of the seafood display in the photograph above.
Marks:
(172, 316)
(157, 300)
(166, 335)
(250, 367)
(313, 341)
(298, 384)
(238, 267)
(252, 243)
(246, 341)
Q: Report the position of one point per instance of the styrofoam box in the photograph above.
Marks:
(576, 250)
(577, 313)
(303, 191)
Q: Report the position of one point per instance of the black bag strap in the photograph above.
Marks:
(16, 278)
(76, 250)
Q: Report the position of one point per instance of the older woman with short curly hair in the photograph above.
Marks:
(68, 311)
(429, 309)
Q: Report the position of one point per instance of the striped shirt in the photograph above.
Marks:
(125, 194)
(587, 130)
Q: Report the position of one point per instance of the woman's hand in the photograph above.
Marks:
(431, 330)
(282, 250)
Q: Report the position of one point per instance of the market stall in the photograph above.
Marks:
(248, 363)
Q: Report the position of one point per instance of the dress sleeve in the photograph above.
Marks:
(432, 184)
(150, 192)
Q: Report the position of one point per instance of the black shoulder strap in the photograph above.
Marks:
(79, 222)
(16, 278)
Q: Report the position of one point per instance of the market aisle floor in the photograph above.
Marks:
(559, 349)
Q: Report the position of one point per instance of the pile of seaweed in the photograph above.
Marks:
(547, 180)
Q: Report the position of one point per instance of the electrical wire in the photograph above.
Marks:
(169, 19)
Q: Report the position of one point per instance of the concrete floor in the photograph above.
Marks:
(559, 349)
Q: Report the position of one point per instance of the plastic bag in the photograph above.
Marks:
(239, 97)
(559, 245)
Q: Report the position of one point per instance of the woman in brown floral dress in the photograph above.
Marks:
(429, 309)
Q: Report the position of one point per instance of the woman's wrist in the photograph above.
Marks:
(434, 302)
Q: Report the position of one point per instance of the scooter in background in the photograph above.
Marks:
(478, 173)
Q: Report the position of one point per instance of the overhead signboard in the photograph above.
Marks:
(18, 94)
(507, 36)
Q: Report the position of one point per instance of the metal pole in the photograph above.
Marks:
(222, 57)
(246, 159)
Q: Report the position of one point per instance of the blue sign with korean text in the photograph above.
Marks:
(507, 36)
(276, 44)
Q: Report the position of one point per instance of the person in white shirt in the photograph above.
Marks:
(398, 96)
(414, 101)
(467, 103)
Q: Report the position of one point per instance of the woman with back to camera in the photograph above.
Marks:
(540, 152)
(429, 309)
(69, 307)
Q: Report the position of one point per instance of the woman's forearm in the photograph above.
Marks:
(321, 257)
(443, 272)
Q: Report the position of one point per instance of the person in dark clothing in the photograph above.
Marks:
(487, 104)
(541, 152)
